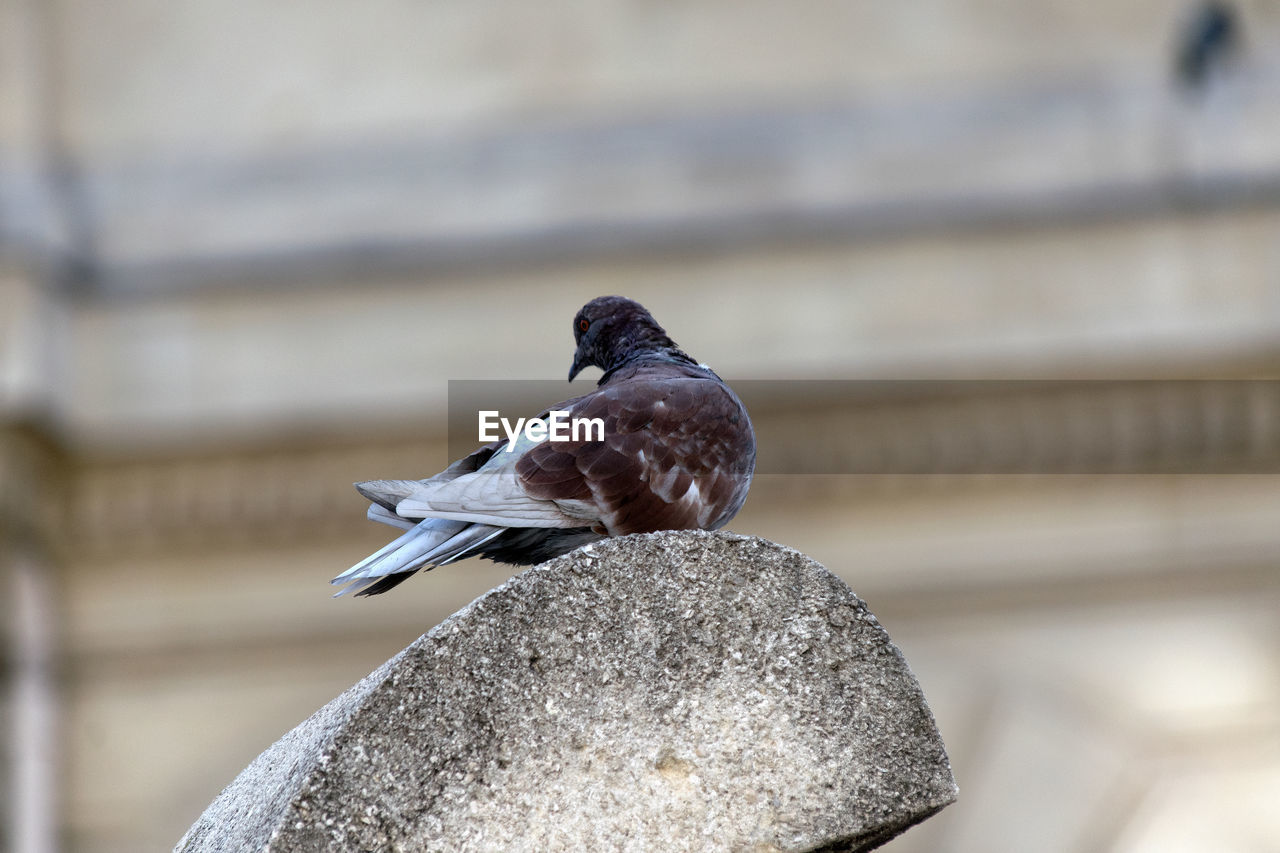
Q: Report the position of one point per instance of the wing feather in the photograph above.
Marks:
(492, 495)
(668, 441)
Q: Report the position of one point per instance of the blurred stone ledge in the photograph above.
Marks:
(282, 492)
(550, 191)
(670, 691)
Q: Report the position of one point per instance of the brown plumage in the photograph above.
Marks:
(678, 452)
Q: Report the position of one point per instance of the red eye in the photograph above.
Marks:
(583, 325)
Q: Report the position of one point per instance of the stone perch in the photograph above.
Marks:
(667, 691)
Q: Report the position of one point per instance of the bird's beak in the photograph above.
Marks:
(576, 367)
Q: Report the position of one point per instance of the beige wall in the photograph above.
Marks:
(218, 78)
(296, 224)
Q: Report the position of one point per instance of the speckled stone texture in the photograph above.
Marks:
(670, 691)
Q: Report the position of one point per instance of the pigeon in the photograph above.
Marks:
(1206, 41)
(677, 452)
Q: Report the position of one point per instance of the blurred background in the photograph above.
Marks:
(244, 247)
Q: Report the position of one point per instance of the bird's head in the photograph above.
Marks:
(610, 329)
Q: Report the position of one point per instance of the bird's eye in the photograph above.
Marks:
(584, 324)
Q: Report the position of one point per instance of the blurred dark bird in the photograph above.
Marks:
(1208, 37)
(678, 452)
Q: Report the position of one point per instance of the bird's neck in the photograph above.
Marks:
(652, 348)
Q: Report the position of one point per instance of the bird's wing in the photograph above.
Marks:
(389, 493)
(677, 453)
(492, 494)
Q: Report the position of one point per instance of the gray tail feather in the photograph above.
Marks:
(387, 493)
(379, 513)
(431, 542)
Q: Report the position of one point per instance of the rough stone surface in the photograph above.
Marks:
(669, 691)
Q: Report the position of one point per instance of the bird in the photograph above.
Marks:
(1206, 40)
(678, 452)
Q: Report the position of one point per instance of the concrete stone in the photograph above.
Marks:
(670, 691)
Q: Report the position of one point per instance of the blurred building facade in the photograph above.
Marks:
(243, 248)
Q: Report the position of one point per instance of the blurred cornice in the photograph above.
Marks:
(555, 192)
(930, 435)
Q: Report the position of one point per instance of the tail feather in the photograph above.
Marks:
(431, 542)
(401, 554)
(377, 586)
(433, 538)
(360, 568)
(377, 512)
(465, 543)
(387, 493)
